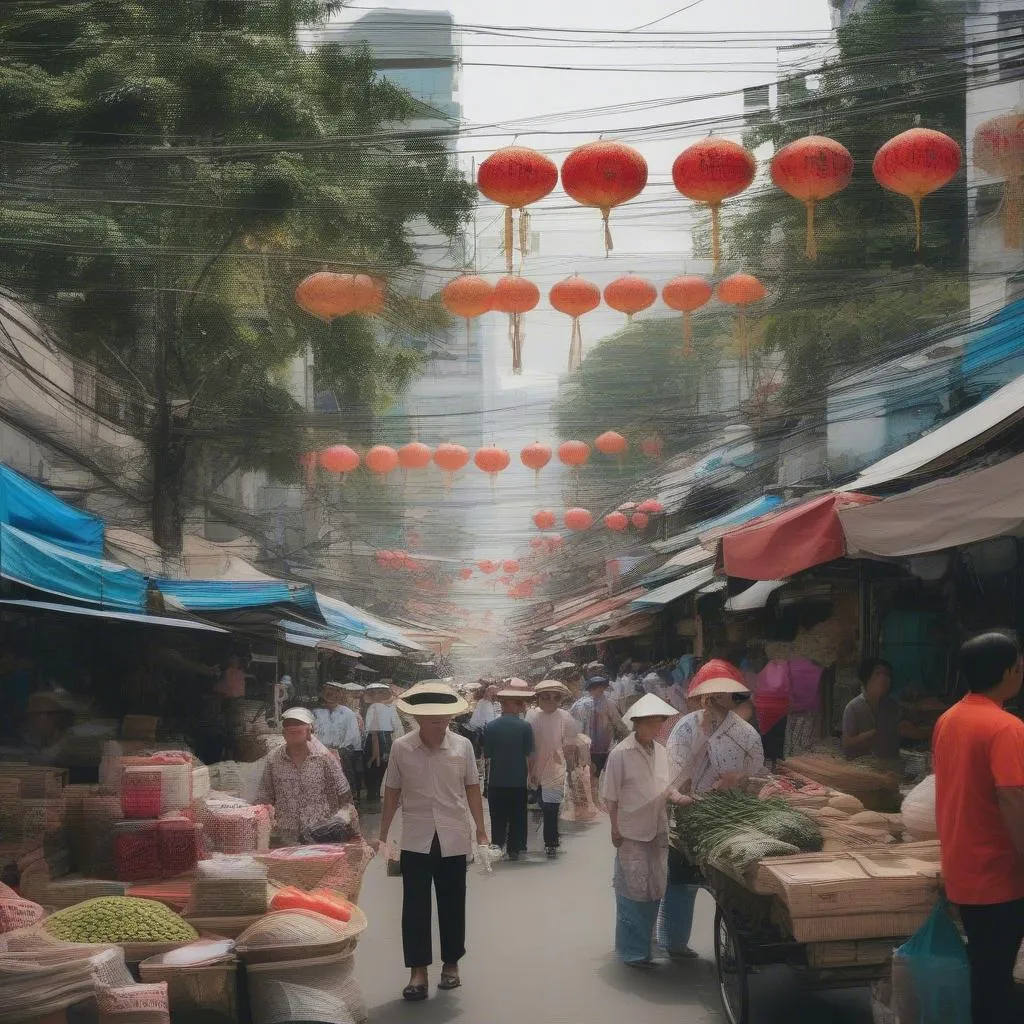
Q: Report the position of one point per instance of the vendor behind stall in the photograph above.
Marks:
(871, 721)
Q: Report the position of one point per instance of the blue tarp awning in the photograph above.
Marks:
(34, 510)
(349, 619)
(54, 569)
(998, 340)
(758, 507)
(234, 595)
(352, 643)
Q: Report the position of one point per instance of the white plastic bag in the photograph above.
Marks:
(918, 810)
(487, 857)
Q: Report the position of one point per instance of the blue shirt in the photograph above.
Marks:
(508, 742)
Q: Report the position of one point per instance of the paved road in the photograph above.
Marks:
(540, 950)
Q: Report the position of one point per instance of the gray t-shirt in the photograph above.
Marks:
(859, 717)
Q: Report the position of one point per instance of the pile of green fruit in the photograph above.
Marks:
(119, 919)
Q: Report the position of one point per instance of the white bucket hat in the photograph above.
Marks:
(649, 706)
(432, 697)
(516, 689)
(303, 715)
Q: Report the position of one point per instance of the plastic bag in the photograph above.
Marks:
(918, 810)
(340, 827)
(931, 977)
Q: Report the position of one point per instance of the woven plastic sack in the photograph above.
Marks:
(137, 850)
(931, 977)
(918, 810)
(180, 845)
(310, 866)
(16, 912)
(134, 1004)
(346, 876)
(321, 989)
(579, 795)
(237, 829)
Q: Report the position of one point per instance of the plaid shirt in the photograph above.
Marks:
(306, 794)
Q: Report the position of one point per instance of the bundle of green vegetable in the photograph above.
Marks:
(731, 830)
(119, 919)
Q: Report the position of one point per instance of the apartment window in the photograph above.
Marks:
(1011, 45)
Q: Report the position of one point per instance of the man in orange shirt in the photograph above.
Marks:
(979, 807)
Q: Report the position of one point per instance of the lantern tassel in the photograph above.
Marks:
(916, 200)
(608, 246)
(517, 343)
(716, 248)
(812, 242)
(687, 335)
(524, 234)
(508, 239)
(1013, 211)
(575, 346)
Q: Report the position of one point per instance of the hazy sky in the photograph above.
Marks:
(692, 54)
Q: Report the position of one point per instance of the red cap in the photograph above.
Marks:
(716, 668)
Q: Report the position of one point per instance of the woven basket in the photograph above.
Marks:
(308, 867)
(320, 936)
(206, 990)
(321, 989)
(229, 897)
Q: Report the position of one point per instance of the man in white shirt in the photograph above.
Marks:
(432, 773)
(337, 728)
(383, 726)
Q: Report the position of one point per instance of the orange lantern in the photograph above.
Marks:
(511, 566)
(616, 522)
(710, 171)
(578, 519)
(573, 453)
(339, 458)
(492, 461)
(651, 507)
(999, 151)
(652, 446)
(812, 169)
(515, 296)
(515, 177)
(639, 520)
(487, 566)
(604, 175)
(465, 574)
(915, 164)
(740, 290)
(687, 294)
(544, 519)
(329, 295)
(630, 294)
(575, 297)
(381, 460)
(468, 296)
(612, 443)
(535, 456)
(414, 456)
(450, 458)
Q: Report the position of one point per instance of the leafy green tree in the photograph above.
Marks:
(170, 171)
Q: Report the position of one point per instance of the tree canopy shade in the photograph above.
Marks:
(170, 172)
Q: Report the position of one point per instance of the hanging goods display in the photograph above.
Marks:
(516, 296)
(915, 164)
(711, 171)
(535, 456)
(327, 295)
(381, 460)
(340, 459)
(492, 461)
(741, 290)
(630, 294)
(468, 296)
(812, 169)
(999, 151)
(604, 175)
(544, 519)
(578, 519)
(616, 522)
(515, 177)
(686, 294)
(575, 297)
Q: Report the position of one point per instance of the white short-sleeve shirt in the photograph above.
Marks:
(433, 787)
(637, 781)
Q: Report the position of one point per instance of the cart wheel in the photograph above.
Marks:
(733, 978)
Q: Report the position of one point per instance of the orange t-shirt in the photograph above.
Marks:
(978, 747)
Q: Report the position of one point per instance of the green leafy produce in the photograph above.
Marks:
(119, 919)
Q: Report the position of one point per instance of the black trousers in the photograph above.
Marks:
(448, 875)
(994, 935)
(374, 780)
(508, 816)
(551, 812)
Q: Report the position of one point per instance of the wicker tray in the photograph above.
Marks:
(346, 941)
(222, 927)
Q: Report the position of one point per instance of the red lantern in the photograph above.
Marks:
(575, 297)
(687, 294)
(511, 566)
(537, 543)
(381, 460)
(492, 461)
(450, 458)
(328, 295)
(651, 507)
(414, 456)
(740, 290)
(468, 296)
(339, 458)
(639, 520)
(630, 294)
(487, 566)
(611, 443)
(515, 177)
(999, 151)
(915, 164)
(544, 519)
(465, 574)
(573, 453)
(516, 296)
(652, 446)
(605, 175)
(812, 169)
(535, 456)
(710, 171)
(578, 519)
(616, 522)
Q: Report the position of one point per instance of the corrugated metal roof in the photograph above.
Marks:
(676, 589)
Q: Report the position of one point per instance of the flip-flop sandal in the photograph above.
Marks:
(414, 993)
(448, 982)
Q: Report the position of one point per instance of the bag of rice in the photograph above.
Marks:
(134, 1004)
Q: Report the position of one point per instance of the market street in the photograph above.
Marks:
(539, 941)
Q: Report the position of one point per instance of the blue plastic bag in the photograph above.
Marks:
(931, 977)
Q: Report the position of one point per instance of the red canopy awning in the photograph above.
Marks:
(777, 546)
